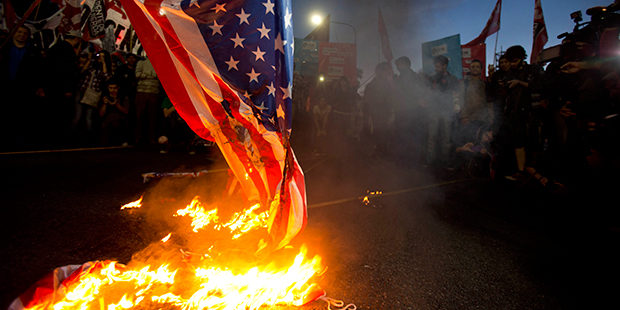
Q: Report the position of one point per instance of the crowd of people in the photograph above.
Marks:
(75, 95)
(518, 121)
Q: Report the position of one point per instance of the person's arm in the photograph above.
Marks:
(123, 105)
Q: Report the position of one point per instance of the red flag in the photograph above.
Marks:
(540, 32)
(491, 27)
(72, 14)
(385, 40)
(233, 86)
(9, 18)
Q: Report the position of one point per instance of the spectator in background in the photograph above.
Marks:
(92, 81)
(522, 82)
(497, 89)
(175, 131)
(148, 104)
(342, 100)
(125, 75)
(378, 105)
(63, 83)
(442, 109)
(20, 83)
(477, 111)
(321, 114)
(410, 112)
(113, 112)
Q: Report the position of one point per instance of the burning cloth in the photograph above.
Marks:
(227, 68)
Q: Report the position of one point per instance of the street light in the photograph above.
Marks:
(317, 19)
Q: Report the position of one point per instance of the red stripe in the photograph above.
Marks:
(215, 107)
(167, 72)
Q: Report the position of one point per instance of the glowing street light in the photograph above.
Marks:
(316, 19)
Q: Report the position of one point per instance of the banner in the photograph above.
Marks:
(472, 52)
(449, 47)
(306, 57)
(337, 60)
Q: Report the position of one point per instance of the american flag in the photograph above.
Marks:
(227, 68)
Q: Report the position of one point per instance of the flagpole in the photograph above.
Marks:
(497, 37)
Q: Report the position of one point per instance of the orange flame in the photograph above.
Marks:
(187, 281)
(133, 205)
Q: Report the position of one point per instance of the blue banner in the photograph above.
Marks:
(449, 47)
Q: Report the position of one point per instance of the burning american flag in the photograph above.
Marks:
(227, 68)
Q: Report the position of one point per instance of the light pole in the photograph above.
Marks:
(317, 19)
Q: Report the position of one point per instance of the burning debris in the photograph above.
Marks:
(232, 272)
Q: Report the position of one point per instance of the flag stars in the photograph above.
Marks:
(280, 111)
(232, 64)
(259, 54)
(287, 91)
(243, 17)
(219, 7)
(272, 90)
(264, 31)
(279, 44)
(194, 3)
(287, 19)
(253, 76)
(216, 28)
(268, 7)
(261, 107)
(238, 40)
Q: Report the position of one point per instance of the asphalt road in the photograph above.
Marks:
(469, 244)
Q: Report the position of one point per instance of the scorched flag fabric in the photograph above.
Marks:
(227, 68)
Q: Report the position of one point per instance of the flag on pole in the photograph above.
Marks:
(386, 49)
(491, 27)
(227, 66)
(540, 32)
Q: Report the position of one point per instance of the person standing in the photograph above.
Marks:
(477, 111)
(522, 83)
(22, 87)
(442, 108)
(378, 106)
(147, 103)
(411, 114)
(63, 83)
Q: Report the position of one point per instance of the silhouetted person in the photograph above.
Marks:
(63, 83)
(442, 108)
(21, 85)
(378, 104)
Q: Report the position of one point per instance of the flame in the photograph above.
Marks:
(176, 278)
(110, 285)
(239, 224)
(133, 204)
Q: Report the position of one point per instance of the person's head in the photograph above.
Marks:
(113, 88)
(475, 69)
(504, 65)
(441, 64)
(132, 59)
(382, 70)
(21, 35)
(403, 63)
(515, 55)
